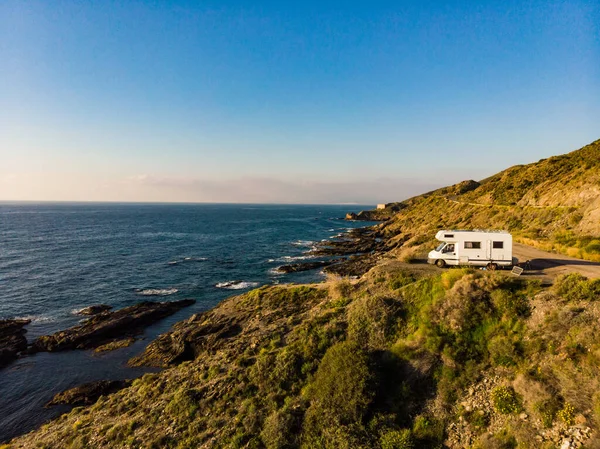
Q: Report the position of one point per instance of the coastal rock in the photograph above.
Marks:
(306, 266)
(88, 393)
(382, 214)
(109, 325)
(94, 310)
(358, 241)
(12, 340)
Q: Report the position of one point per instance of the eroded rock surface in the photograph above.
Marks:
(101, 328)
(94, 310)
(88, 393)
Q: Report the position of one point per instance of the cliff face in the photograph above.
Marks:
(407, 356)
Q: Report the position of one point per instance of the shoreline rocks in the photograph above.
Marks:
(107, 326)
(306, 266)
(94, 310)
(88, 393)
(12, 340)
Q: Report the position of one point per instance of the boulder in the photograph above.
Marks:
(12, 340)
(100, 329)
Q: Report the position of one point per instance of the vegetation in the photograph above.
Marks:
(404, 357)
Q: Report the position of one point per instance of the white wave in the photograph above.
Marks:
(37, 318)
(271, 260)
(187, 259)
(236, 285)
(303, 243)
(292, 258)
(156, 291)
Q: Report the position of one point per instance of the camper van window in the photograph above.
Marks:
(448, 236)
(498, 245)
(472, 245)
(440, 246)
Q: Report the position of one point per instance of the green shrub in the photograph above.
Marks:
(396, 439)
(593, 247)
(427, 431)
(574, 286)
(371, 321)
(506, 400)
(510, 304)
(339, 396)
(281, 429)
(401, 279)
(340, 390)
(502, 350)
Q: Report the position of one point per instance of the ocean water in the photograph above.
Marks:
(58, 258)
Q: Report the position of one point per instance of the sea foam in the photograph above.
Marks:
(156, 291)
(236, 285)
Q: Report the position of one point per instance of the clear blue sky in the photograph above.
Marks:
(309, 101)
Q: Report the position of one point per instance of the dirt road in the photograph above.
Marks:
(551, 265)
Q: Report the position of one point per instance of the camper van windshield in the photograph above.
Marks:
(440, 246)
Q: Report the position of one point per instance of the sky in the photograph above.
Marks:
(287, 102)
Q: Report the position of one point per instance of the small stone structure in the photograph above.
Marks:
(382, 206)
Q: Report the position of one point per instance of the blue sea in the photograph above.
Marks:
(56, 258)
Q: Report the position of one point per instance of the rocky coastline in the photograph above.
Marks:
(107, 326)
(12, 340)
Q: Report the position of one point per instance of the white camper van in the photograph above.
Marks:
(491, 249)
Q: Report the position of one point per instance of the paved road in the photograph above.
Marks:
(552, 265)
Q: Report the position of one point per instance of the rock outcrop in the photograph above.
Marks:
(106, 326)
(12, 340)
(88, 393)
(94, 310)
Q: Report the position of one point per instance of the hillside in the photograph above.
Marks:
(553, 204)
(405, 357)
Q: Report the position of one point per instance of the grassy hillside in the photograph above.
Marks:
(406, 357)
(398, 360)
(553, 204)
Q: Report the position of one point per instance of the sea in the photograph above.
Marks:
(56, 258)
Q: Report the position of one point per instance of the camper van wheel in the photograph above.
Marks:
(492, 266)
(440, 263)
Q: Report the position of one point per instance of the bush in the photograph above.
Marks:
(339, 397)
(567, 415)
(506, 400)
(396, 439)
(400, 279)
(340, 390)
(281, 429)
(371, 322)
(547, 409)
(339, 288)
(577, 287)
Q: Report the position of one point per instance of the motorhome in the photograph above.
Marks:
(491, 249)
